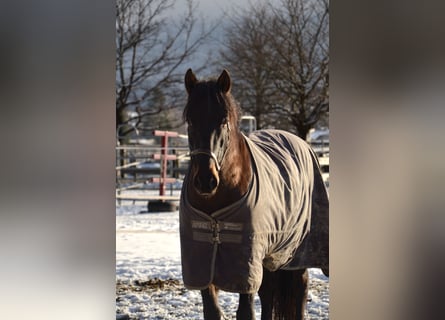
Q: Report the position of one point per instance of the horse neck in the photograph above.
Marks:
(236, 170)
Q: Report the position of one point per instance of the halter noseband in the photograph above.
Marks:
(208, 153)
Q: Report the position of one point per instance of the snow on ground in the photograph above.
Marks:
(148, 272)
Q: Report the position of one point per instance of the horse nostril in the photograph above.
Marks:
(212, 183)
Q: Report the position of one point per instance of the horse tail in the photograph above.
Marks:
(290, 298)
(283, 294)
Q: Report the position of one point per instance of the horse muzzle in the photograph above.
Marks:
(205, 180)
(206, 186)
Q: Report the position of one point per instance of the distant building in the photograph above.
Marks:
(247, 124)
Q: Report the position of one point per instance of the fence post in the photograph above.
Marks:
(163, 205)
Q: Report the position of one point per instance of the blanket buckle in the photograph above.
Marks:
(215, 229)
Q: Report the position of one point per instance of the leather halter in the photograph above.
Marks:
(211, 154)
(208, 153)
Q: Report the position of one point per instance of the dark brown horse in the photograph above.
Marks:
(249, 214)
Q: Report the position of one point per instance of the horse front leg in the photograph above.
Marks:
(210, 303)
(245, 307)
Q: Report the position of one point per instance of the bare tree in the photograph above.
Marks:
(300, 66)
(279, 56)
(150, 48)
(246, 50)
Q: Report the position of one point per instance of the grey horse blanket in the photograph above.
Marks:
(282, 222)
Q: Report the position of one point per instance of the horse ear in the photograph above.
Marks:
(190, 80)
(224, 81)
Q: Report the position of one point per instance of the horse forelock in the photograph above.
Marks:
(207, 100)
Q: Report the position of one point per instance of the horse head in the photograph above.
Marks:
(210, 119)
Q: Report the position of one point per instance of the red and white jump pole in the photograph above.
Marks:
(163, 205)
